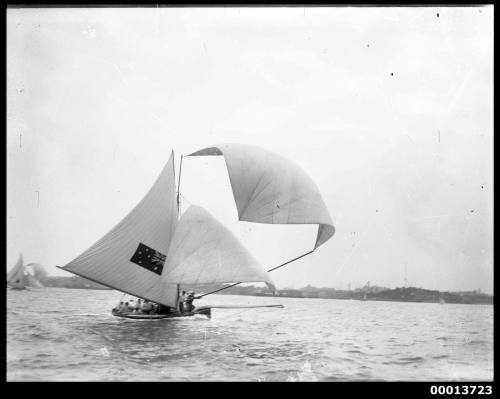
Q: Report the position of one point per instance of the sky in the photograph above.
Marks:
(389, 110)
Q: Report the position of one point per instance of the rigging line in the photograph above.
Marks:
(290, 261)
(220, 289)
(270, 270)
(183, 197)
(179, 186)
(356, 245)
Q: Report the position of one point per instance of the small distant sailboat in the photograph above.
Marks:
(154, 249)
(16, 279)
(19, 277)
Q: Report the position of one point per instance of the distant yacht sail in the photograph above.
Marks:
(37, 273)
(33, 282)
(15, 277)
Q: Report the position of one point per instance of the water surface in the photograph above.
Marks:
(57, 334)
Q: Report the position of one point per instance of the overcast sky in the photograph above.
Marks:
(390, 111)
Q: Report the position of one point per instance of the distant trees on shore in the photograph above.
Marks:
(373, 293)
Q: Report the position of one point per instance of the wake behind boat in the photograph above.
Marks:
(154, 249)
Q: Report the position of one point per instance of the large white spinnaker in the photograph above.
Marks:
(131, 257)
(204, 251)
(268, 188)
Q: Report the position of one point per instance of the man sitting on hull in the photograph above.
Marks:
(188, 302)
(147, 307)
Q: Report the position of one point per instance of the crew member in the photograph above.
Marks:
(188, 303)
(147, 307)
(182, 298)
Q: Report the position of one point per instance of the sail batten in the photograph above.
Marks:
(268, 188)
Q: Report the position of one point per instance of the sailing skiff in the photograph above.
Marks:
(154, 250)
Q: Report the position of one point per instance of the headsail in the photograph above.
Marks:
(38, 271)
(268, 188)
(15, 277)
(205, 251)
(33, 273)
(130, 258)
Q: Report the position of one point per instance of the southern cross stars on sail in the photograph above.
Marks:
(149, 258)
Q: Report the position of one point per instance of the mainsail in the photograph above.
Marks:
(150, 251)
(150, 227)
(268, 188)
(15, 277)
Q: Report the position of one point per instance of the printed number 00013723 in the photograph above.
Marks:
(461, 389)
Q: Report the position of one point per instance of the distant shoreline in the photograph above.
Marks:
(405, 294)
(305, 297)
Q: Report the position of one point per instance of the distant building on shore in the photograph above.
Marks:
(367, 292)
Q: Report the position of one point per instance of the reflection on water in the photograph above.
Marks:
(74, 337)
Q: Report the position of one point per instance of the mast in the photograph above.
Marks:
(178, 214)
(179, 187)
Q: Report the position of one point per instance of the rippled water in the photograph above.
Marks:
(56, 334)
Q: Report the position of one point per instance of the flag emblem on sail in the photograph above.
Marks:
(149, 258)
